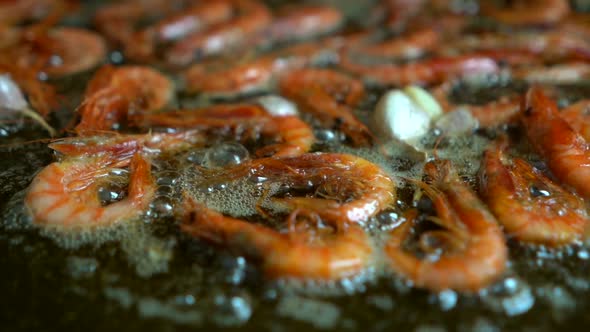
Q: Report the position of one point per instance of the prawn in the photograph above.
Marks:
(254, 75)
(322, 255)
(528, 12)
(529, 205)
(193, 19)
(64, 195)
(546, 45)
(115, 92)
(296, 135)
(565, 150)
(117, 20)
(302, 22)
(430, 71)
(476, 254)
(66, 51)
(350, 189)
(409, 46)
(329, 96)
(251, 17)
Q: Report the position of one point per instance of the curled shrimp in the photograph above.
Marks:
(64, 195)
(476, 254)
(529, 205)
(115, 92)
(501, 111)
(193, 19)
(251, 17)
(327, 254)
(303, 22)
(409, 46)
(296, 137)
(70, 51)
(117, 20)
(251, 76)
(528, 12)
(565, 151)
(329, 96)
(350, 189)
(429, 71)
(54, 51)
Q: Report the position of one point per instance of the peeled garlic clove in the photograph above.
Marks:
(397, 116)
(13, 101)
(11, 96)
(457, 122)
(277, 105)
(424, 100)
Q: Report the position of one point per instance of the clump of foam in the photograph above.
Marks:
(238, 198)
(511, 296)
(465, 152)
(15, 215)
(340, 287)
(149, 254)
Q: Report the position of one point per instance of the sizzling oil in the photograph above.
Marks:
(148, 276)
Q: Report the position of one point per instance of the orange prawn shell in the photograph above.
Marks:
(557, 219)
(482, 258)
(341, 255)
(63, 195)
(566, 152)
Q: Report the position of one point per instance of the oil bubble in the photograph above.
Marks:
(162, 206)
(327, 136)
(225, 154)
(81, 267)
(197, 157)
(167, 179)
(513, 297)
(232, 310)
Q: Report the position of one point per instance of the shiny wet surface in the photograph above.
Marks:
(128, 282)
